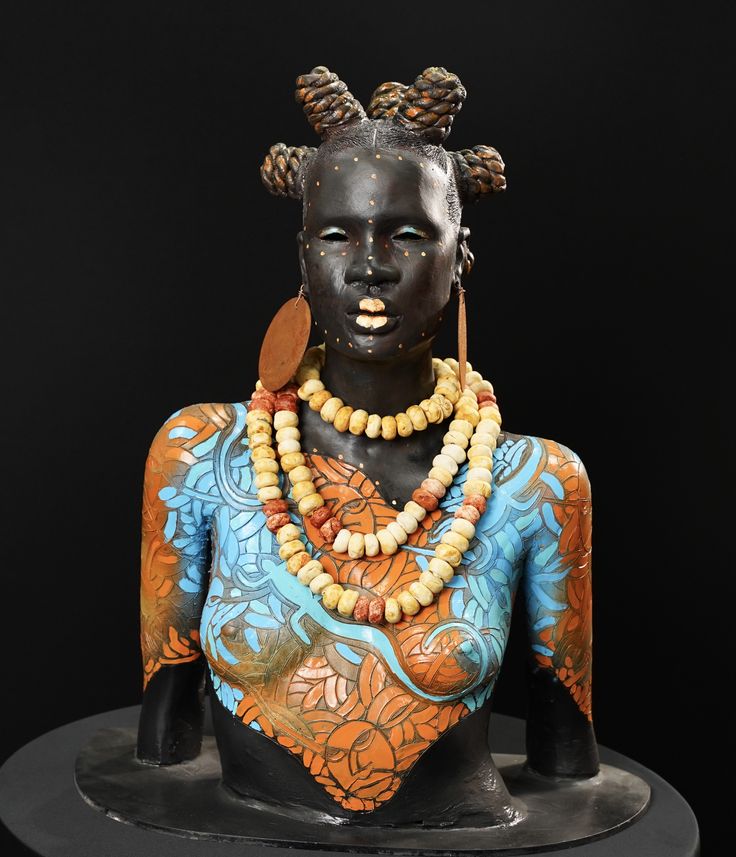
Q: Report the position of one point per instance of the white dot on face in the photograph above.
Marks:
(370, 240)
(378, 157)
(343, 253)
(355, 159)
(371, 202)
(307, 246)
(421, 164)
(401, 158)
(370, 258)
(337, 339)
(370, 220)
(394, 502)
(370, 351)
(337, 168)
(373, 175)
(406, 253)
(423, 253)
(317, 184)
(370, 272)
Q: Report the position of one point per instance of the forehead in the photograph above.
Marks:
(373, 183)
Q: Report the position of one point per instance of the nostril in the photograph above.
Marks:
(374, 290)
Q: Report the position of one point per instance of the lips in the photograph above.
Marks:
(372, 316)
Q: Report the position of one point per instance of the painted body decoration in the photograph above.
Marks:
(357, 704)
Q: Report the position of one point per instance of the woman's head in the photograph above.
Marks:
(381, 244)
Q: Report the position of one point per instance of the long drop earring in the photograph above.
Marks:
(285, 342)
(462, 335)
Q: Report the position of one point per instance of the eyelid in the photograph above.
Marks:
(329, 229)
(414, 230)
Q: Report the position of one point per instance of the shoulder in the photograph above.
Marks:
(547, 467)
(190, 434)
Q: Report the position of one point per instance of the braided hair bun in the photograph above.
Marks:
(415, 117)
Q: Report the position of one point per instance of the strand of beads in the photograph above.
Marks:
(358, 421)
(475, 428)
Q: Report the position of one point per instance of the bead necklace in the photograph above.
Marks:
(475, 428)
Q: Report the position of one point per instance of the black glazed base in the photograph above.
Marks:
(39, 803)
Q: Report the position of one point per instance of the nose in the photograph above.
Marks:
(372, 265)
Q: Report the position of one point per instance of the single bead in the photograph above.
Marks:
(310, 503)
(415, 510)
(408, 603)
(388, 428)
(434, 486)
(433, 412)
(297, 561)
(449, 553)
(273, 492)
(374, 426)
(375, 610)
(425, 499)
(456, 437)
(347, 602)
(309, 571)
(320, 582)
(398, 532)
(331, 595)
(342, 418)
(431, 581)
(340, 545)
(446, 462)
(358, 421)
(330, 529)
(290, 548)
(282, 419)
(493, 413)
(262, 452)
(309, 388)
(481, 473)
(423, 595)
(476, 500)
(360, 611)
(441, 568)
(260, 438)
(477, 486)
(453, 538)
(266, 465)
(455, 452)
(417, 416)
(407, 522)
(302, 489)
(286, 404)
(275, 522)
(288, 533)
(319, 516)
(392, 610)
(468, 513)
(302, 473)
(275, 506)
(330, 408)
(443, 476)
(404, 425)
(372, 545)
(388, 543)
(488, 426)
(446, 406)
(292, 460)
(463, 527)
(289, 445)
(356, 546)
(318, 400)
(481, 461)
(288, 433)
(462, 426)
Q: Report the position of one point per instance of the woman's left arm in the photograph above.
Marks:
(557, 586)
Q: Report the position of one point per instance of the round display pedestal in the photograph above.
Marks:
(41, 804)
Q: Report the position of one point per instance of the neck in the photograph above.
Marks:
(380, 386)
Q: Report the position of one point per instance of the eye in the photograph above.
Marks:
(333, 233)
(410, 233)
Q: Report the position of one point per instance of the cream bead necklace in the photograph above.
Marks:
(472, 434)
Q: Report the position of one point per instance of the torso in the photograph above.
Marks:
(357, 705)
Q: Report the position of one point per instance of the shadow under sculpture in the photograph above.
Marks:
(336, 718)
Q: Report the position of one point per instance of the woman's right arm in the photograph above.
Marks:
(175, 560)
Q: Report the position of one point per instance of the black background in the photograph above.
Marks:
(146, 259)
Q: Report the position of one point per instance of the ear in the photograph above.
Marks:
(302, 266)
(463, 257)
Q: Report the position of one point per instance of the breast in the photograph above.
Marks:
(357, 704)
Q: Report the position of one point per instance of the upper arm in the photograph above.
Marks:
(175, 538)
(557, 573)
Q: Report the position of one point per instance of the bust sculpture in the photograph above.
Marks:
(337, 560)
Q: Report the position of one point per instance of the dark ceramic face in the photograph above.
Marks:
(377, 231)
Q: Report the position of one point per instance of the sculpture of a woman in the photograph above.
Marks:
(330, 557)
